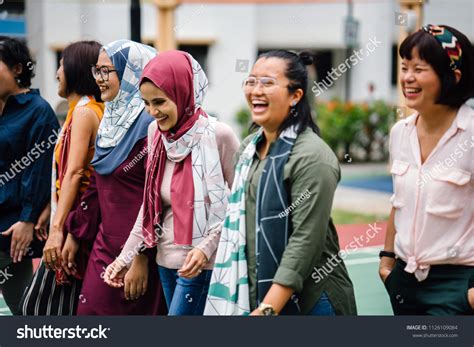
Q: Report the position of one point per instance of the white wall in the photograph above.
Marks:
(238, 31)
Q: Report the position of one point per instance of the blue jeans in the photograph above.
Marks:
(184, 297)
(323, 307)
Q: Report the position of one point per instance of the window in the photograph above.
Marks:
(199, 52)
(394, 65)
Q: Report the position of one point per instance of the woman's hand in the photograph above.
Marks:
(22, 235)
(71, 246)
(41, 227)
(194, 263)
(52, 249)
(386, 266)
(256, 312)
(115, 273)
(136, 279)
(470, 297)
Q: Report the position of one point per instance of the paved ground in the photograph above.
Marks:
(362, 264)
(365, 189)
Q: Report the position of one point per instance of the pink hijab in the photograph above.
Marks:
(172, 72)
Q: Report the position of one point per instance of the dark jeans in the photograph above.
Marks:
(442, 293)
(14, 278)
(184, 297)
(323, 307)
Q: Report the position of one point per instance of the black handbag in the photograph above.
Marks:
(44, 297)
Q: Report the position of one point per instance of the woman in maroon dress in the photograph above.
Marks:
(109, 207)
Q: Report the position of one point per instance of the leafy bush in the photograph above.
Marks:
(244, 119)
(359, 130)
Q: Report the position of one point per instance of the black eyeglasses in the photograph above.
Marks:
(102, 71)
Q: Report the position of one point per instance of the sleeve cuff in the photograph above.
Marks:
(289, 278)
(27, 215)
(209, 245)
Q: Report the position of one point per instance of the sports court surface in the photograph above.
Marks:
(362, 264)
(363, 189)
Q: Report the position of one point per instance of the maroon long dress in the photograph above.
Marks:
(110, 208)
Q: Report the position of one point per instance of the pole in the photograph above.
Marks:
(350, 16)
(405, 6)
(166, 38)
(135, 21)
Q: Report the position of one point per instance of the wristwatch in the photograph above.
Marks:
(387, 254)
(267, 310)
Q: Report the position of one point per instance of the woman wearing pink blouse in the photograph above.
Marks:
(427, 264)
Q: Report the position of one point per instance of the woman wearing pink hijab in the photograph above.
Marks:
(190, 167)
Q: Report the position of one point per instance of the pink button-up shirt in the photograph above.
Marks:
(433, 201)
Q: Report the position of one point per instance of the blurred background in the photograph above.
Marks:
(355, 109)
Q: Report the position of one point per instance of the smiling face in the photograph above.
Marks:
(108, 89)
(61, 78)
(420, 83)
(159, 106)
(270, 105)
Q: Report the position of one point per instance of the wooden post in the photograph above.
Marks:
(406, 6)
(165, 38)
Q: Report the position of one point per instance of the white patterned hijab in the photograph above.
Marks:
(129, 59)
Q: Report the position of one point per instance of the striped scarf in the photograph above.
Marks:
(229, 288)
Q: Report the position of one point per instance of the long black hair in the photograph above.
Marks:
(297, 73)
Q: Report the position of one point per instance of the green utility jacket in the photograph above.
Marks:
(311, 176)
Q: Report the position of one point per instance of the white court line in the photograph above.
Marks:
(367, 250)
(362, 261)
(370, 250)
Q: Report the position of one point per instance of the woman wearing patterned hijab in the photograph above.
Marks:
(188, 174)
(110, 205)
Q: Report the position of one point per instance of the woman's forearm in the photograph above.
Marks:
(69, 190)
(278, 296)
(390, 234)
(387, 263)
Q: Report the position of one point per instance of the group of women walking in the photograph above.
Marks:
(143, 204)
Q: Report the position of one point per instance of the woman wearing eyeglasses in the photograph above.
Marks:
(278, 234)
(56, 292)
(109, 207)
(427, 264)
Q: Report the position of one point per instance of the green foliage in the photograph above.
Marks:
(244, 119)
(358, 129)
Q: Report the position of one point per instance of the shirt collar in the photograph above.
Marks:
(460, 122)
(24, 98)
(463, 116)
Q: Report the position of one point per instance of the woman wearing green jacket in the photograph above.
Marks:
(278, 230)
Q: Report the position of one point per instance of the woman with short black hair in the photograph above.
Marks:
(28, 132)
(427, 264)
(56, 292)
